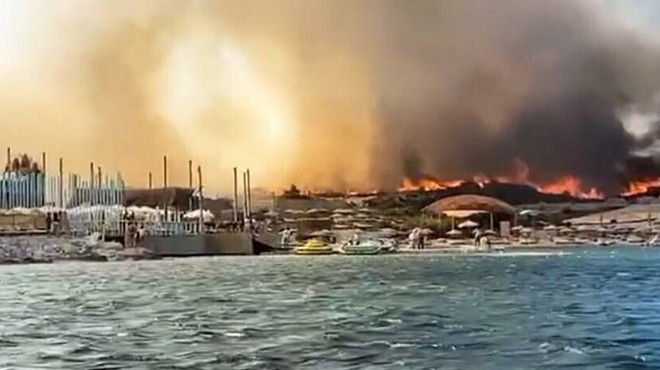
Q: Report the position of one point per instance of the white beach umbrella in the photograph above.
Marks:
(529, 212)
(454, 232)
(206, 215)
(271, 213)
(344, 211)
(468, 224)
(550, 228)
(426, 232)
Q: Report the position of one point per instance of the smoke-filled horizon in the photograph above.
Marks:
(330, 94)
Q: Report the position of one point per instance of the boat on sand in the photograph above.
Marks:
(314, 247)
(366, 247)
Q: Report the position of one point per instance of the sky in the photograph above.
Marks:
(122, 83)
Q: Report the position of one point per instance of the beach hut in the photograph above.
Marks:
(463, 206)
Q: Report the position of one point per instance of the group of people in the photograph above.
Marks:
(417, 239)
(288, 236)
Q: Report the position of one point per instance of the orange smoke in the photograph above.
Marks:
(568, 184)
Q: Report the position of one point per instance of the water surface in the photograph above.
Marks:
(587, 309)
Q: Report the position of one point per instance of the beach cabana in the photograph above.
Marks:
(463, 206)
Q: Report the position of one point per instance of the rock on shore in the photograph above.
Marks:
(46, 248)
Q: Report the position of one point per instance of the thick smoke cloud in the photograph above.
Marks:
(487, 85)
(337, 94)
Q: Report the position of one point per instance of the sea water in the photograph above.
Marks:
(586, 309)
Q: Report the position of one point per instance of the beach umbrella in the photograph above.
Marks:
(467, 224)
(490, 232)
(454, 232)
(271, 214)
(517, 228)
(550, 228)
(426, 232)
(526, 230)
(529, 212)
(388, 232)
(566, 230)
(323, 232)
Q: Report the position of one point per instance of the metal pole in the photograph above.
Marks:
(165, 183)
(61, 182)
(201, 199)
(190, 183)
(164, 171)
(249, 194)
(245, 205)
(235, 194)
(91, 182)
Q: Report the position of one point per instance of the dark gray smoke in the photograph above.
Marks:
(479, 84)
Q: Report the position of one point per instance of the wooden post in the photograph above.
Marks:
(150, 180)
(8, 159)
(235, 194)
(201, 199)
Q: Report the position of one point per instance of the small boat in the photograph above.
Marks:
(653, 242)
(314, 247)
(388, 246)
(604, 242)
(367, 247)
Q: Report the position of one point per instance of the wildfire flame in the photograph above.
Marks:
(641, 187)
(570, 185)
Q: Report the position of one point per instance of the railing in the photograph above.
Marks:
(35, 190)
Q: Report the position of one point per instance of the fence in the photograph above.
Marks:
(111, 221)
(34, 190)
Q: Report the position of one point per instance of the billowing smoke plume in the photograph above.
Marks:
(334, 93)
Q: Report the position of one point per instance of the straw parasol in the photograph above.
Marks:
(470, 203)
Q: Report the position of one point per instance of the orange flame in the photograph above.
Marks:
(641, 187)
(565, 185)
(427, 184)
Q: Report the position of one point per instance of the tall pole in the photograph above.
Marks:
(235, 194)
(245, 205)
(41, 195)
(100, 177)
(249, 194)
(190, 183)
(164, 171)
(165, 183)
(91, 182)
(151, 180)
(201, 199)
(8, 159)
(60, 181)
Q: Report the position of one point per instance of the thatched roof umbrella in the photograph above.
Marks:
(470, 204)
